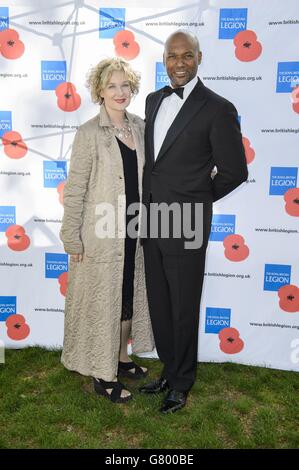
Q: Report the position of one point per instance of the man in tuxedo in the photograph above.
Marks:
(189, 131)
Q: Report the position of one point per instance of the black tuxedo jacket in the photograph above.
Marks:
(205, 133)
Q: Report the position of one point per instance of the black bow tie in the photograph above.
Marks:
(178, 91)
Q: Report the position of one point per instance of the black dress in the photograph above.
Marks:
(129, 158)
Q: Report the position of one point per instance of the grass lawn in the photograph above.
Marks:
(42, 405)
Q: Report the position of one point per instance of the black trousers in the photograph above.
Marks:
(174, 285)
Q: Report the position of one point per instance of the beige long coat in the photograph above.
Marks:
(94, 295)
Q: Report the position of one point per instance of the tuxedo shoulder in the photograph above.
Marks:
(218, 100)
(153, 94)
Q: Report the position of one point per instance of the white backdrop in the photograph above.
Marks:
(250, 305)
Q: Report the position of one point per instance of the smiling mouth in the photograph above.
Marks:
(121, 101)
(180, 74)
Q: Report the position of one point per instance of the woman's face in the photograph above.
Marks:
(117, 93)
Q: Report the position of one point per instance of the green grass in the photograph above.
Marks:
(43, 405)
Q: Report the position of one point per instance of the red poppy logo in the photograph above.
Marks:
(247, 46)
(17, 240)
(230, 341)
(125, 45)
(249, 152)
(295, 99)
(62, 279)
(17, 327)
(291, 196)
(289, 298)
(235, 248)
(14, 146)
(67, 97)
(11, 47)
(60, 189)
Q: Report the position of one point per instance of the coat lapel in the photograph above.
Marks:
(138, 136)
(190, 108)
(150, 125)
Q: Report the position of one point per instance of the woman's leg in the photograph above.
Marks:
(125, 334)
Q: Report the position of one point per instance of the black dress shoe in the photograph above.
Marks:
(174, 401)
(158, 386)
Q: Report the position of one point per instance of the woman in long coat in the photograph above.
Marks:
(106, 298)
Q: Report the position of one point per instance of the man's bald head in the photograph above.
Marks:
(190, 36)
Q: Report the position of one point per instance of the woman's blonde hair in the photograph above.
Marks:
(99, 76)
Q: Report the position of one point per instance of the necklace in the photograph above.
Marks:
(124, 132)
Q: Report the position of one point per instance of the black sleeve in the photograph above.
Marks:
(228, 152)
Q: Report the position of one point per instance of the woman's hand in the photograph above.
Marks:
(77, 258)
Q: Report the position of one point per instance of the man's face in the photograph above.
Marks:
(181, 60)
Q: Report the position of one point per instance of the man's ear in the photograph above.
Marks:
(199, 57)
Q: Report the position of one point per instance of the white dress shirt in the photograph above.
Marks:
(167, 113)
